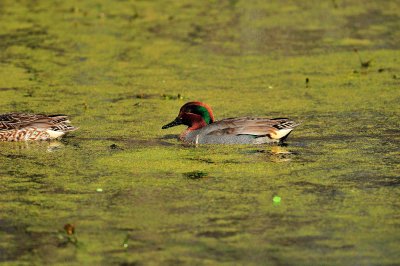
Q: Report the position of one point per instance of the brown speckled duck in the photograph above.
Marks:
(25, 127)
(203, 129)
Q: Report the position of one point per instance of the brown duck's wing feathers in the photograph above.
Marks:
(258, 127)
(64, 127)
(20, 120)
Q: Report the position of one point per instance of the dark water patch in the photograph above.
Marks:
(284, 40)
(169, 136)
(233, 162)
(114, 198)
(229, 219)
(388, 182)
(312, 242)
(217, 33)
(147, 96)
(124, 141)
(8, 227)
(304, 241)
(19, 190)
(197, 34)
(32, 203)
(135, 96)
(8, 253)
(314, 188)
(391, 160)
(115, 147)
(195, 175)
(31, 178)
(29, 37)
(146, 143)
(16, 156)
(9, 89)
(137, 263)
(281, 220)
(137, 243)
(65, 191)
(21, 175)
(361, 25)
(32, 70)
(72, 141)
(332, 138)
(393, 132)
(220, 255)
(28, 242)
(203, 160)
(371, 179)
(217, 234)
(292, 41)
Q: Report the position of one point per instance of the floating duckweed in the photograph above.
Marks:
(166, 97)
(172, 97)
(144, 96)
(276, 199)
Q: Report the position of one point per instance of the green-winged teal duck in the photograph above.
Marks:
(203, 129)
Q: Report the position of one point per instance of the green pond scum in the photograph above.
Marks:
(121, 191)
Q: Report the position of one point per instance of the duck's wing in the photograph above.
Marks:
(276, 128)
(21, 120)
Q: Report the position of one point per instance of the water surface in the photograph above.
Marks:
(136, 196)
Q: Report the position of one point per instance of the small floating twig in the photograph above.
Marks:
(364, 64)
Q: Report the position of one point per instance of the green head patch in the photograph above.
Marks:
(200, 110)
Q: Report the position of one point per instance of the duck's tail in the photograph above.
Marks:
(283, 129)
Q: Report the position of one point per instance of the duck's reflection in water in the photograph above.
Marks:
(48, 146)
(276, 154)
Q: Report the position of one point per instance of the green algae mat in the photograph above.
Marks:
(121, 191)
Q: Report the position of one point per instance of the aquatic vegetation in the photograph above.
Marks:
(136, 195)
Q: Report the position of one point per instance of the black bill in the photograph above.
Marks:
(176, 122)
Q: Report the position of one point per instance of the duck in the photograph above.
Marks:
(30, 127)
(203, 129)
